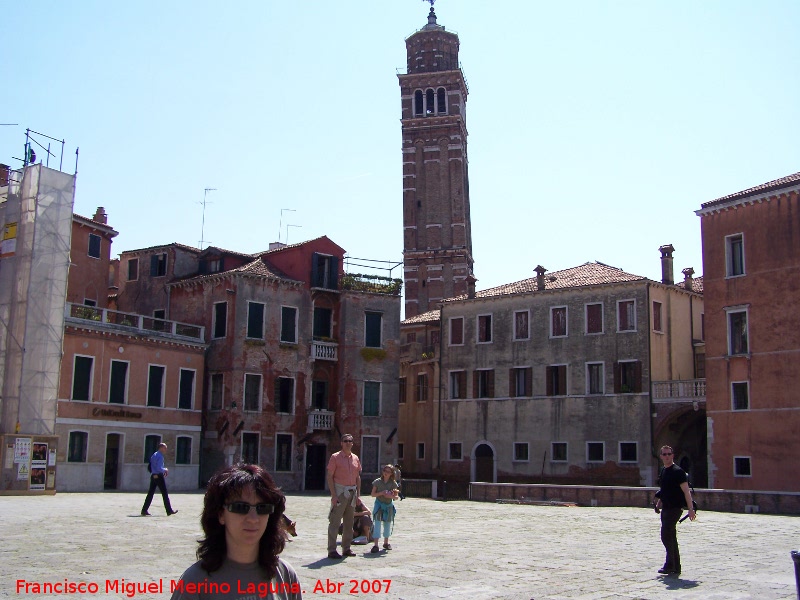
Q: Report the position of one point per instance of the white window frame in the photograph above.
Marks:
(729, 240)
(514, 452)
(276, 400)
(258, 446)
(260, 392)
(602, 378)
(86, 447)
(191, 449)
(291, 452)
(214, 321)
(211, 391)
(451, 378)
(566, 321)
(595, 462)
(364, 398)
(749, 460)
(194, 388)
(514, 336)
(733, 400)
(731, 310)
(363, 448)
(586, 318)
(552, 454)
(619, 452)
(633, 320)
(263, 320)
(450, 331)
(478, 328)
(296, 332)
(450, 446)
(127, 381)
(91, 377)
(162, 401)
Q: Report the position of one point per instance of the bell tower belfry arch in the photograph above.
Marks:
(437, 235)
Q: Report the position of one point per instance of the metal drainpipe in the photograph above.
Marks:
(439, 392)
(650, 406)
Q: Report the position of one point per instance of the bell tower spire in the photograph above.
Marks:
(437, 233)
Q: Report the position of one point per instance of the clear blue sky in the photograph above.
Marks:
(596, 128)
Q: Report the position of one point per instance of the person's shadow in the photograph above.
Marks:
(676, 583)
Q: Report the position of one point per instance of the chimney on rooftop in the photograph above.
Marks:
(276, 245)
(666, 264)
(100, 216)
(687, 278)
(540, 271)
(471, 286)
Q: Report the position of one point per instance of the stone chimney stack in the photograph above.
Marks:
(471, 286)
(667, 277)
(100, 216)
(687, 278)
(540, 271)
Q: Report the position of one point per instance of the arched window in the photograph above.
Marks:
(429, 105)
(418, 104)
(441, 101)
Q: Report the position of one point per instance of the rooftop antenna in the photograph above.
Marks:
(280, 223)
(287, 231)
(203, 227)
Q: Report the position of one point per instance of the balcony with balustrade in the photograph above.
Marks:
(320, 420)
(686, 390)
(105, 318)
(324, 350)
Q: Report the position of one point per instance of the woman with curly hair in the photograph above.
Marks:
(238, 556)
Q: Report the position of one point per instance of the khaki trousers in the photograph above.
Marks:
(341, 514)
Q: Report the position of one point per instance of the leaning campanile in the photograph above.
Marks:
(437, 236)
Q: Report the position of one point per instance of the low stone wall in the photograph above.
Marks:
(786, 503)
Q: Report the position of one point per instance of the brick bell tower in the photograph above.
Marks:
(437, 234)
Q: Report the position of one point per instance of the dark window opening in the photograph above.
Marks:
(419, 108)
(119, 381)
(220, 319)
(441, 101)
(158, 265)
(283, 452)
(556, 380)
(323, 322)
(94, 245)
(155, 385)
(186, 389)
(255, 320)
(183, 451)
(82, 377)
(284, 395)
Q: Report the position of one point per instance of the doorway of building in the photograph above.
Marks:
(316, 462)
(484, 463)
(111, 471)
(686, 432)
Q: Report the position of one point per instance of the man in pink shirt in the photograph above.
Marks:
(344, 482)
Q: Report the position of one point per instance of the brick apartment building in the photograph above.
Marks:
(751, 262)
(299, 352)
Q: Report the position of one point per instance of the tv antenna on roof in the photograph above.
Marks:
(203, 227)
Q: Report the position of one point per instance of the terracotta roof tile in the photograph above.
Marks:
(590, 273)
(426, 317)
(757, 190)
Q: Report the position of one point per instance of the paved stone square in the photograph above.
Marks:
(441, 550)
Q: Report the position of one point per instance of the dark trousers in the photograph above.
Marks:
(157, 481)
(669, 537)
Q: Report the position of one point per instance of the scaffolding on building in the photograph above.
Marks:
(36, 221)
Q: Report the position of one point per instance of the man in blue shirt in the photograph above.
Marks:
(158, 475)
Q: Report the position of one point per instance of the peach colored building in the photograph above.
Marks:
(751, 263)
(127, 382)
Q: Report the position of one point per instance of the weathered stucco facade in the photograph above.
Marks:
(550, 379)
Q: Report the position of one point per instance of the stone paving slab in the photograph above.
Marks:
(441, 550)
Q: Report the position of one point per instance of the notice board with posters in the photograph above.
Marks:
(28, 464)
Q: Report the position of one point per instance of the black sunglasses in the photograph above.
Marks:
(243, 508)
